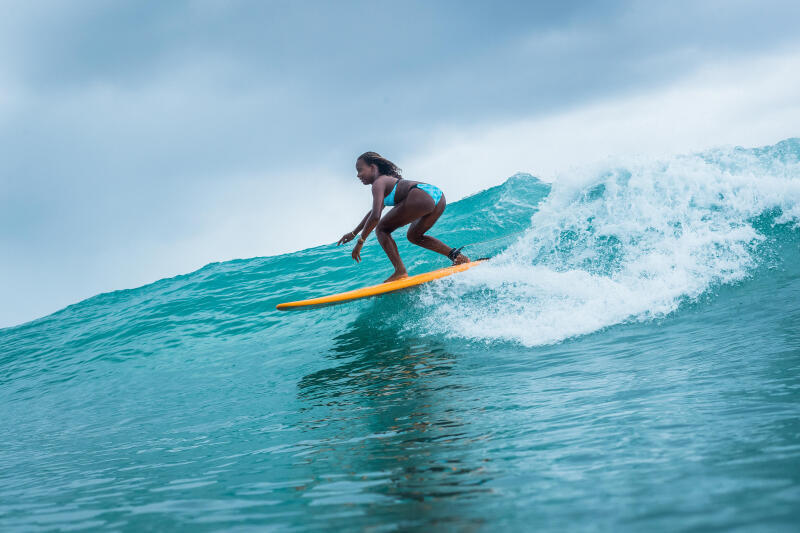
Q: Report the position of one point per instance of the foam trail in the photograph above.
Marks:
(625, 243)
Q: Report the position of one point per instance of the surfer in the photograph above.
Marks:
(419, 204)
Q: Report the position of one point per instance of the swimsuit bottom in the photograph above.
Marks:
(432, 190)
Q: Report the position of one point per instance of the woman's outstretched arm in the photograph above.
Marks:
(372, 219)
(347, 237)
(374, 216)
(363, 221)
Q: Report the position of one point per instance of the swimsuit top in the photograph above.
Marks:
(389, 200)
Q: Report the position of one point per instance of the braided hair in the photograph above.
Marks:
(384, 165)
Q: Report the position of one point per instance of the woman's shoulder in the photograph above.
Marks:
(383, 182)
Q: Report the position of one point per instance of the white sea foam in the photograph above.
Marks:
(619, 244)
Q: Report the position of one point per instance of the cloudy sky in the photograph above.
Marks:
(140, 140)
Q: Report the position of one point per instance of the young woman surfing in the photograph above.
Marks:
(419, 204)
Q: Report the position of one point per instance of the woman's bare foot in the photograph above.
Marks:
(397, 275)
(461, 259)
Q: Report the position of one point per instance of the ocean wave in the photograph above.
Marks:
(630, 242)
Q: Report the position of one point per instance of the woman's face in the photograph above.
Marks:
(366, 173)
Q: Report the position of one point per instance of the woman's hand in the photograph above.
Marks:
(357, 252)
(347, 237)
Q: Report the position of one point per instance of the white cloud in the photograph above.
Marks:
(750, 103)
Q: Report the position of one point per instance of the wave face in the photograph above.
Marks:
(628, 360)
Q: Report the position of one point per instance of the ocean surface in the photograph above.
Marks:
(629, 360)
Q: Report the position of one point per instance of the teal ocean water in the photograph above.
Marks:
(629, 360)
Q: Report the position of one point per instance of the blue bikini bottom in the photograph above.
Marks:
(434, 191)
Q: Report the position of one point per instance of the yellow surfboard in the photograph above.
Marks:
(381, 288)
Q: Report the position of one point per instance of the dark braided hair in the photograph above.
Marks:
(384, 165)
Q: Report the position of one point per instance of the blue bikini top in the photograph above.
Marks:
(389, 200)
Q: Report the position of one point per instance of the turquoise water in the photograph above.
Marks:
(628, 361)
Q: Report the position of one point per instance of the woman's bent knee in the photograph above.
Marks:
(382, 232)
(414, 237)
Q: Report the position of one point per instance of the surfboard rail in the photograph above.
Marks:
(381, 288)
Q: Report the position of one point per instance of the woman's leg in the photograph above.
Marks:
(416, 232)
(416, 205)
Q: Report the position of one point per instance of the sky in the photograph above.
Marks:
(141, 140)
